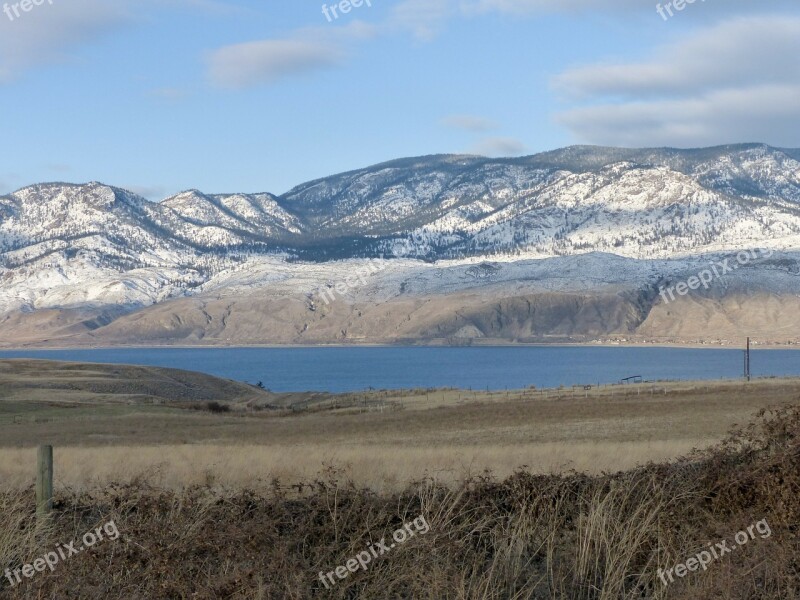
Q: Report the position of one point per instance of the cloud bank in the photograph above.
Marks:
(732, 82)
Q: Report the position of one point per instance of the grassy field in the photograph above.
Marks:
(121, 423)
(222, 490)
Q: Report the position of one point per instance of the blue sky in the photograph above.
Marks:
(159, 96)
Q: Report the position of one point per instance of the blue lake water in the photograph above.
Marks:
(350, 369)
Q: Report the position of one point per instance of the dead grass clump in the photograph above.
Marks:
(20, 534)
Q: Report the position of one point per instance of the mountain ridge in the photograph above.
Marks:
(102, 255)
(542, 158)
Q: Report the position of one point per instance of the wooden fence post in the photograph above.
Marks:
(44, 481)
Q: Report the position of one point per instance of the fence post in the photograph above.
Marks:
(44, 481)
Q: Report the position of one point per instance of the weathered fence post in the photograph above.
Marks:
(44, 481)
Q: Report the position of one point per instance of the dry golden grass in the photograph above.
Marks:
(383, 468)
(20, 533)
(381, 439)
(69, 384)
(528, 537)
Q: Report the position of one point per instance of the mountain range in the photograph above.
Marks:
(570, 245)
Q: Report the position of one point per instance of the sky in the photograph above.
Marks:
(160, 96)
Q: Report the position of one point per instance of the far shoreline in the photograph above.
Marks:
(493, 344)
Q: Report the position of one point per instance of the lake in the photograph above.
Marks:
(498, 368)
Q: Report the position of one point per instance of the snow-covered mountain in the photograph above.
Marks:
(104, 252)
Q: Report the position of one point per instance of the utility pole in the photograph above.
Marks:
(747, 361)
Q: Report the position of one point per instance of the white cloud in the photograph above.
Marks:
(534, 6)
(769, 114)
(498, 146)
(469, 123)
(264, 62)
(426, 18)
(522, 7)
(49, 32)
(743, 51)
(738, 81)
(252, 63)
(312, 49)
